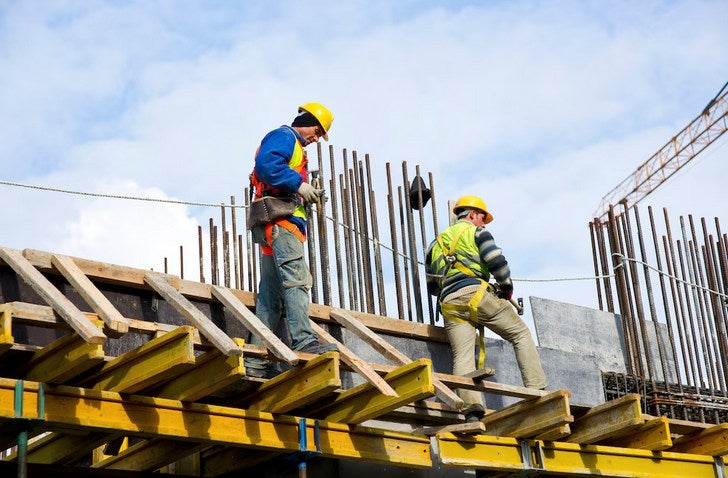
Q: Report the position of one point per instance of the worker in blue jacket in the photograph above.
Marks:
(281, 171)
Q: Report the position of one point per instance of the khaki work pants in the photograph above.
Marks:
(500, 317)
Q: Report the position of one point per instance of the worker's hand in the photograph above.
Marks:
(309, 193)
(505, 290)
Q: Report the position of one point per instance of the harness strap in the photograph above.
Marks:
(472, 308)
(285, 224)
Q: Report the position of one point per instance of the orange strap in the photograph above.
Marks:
(287, 225)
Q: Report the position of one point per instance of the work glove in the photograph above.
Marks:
(505, 290)
(309, 193)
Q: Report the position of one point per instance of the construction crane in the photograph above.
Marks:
(707, 127)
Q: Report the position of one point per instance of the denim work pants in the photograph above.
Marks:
(284, 281)
(498, 315)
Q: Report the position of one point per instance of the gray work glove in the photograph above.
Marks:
(309, 193)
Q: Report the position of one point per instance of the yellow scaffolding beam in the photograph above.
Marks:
(72, 408)
(502, 454)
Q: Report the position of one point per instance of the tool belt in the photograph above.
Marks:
(472, 309)
(269, 209)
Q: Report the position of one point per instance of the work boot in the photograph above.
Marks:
(316, 347)
(474, 413)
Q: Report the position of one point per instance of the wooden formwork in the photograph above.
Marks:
(182, 393)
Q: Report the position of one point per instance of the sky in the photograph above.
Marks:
(539, 107)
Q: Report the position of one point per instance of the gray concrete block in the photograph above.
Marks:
(580, 330)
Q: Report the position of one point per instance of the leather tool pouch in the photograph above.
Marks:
(268, 209)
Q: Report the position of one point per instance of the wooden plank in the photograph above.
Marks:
(530, 418)
(391, 353)
(299, 386)
(63, 359)
(212, 371)
(712, 441)
(480, 373)
(612, 419)
(52, 296)
(93, 296)
(206, 326)
(357, 364)
(155, 362)
(6, 329)
(412, 382)
(254, 324)
(651, 435)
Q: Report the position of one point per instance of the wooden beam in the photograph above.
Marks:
(712, 441)
(254, 325)
(93, 296)
(469, 428)
(63, 359)
(391, 353)
(651, 435)
(412, 382)
(149, 455)
(53, 297)
(299, 386)
(153, 363)
(206, 326)
(357, 364)
(612, 419)
(63, 448)
(530, 418)
(212, 371)
(6, 329)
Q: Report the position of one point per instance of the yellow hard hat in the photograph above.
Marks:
(321, 113)
(472, 202)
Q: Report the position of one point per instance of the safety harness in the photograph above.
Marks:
(452, 259)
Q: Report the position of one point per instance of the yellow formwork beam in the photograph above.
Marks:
(300, 386)
(653, 435)
(711, 441)
(61, 448)
(65, 358)
(69, 408)
(149, 455)
(412, 382)
(612, 419)
(212, 371)
(501, 454)
(156, 361)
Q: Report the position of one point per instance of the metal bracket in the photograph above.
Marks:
(533, 458)
(720, 467)
(19, 423)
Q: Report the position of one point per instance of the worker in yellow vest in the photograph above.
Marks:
(459, 264)
(281, 172)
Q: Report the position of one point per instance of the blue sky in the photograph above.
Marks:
(539, 107)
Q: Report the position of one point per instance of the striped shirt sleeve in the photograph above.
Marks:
(492, 255)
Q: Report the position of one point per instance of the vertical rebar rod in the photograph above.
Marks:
(416, 287)
(605, 265)
(592, 233)
(423, 236)
(311, 249)
(405, 260)
(436, 233)
(181, 263)
(340, 286)
(684, 329)
(236, 257)
(697, 301)
(700, 378)
(201, 254)
(630, 317)
(618, 267)
(349, 249)
(225, 247)
(637, 294)
(323, 235)
(213, 253)
(363, 231)
(395, 245)
(375, 238)
(717, 313)
(665, 305)
(650, 298)
(359, 263)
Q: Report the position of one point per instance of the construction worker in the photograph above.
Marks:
(281, 171)
(459, 264)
